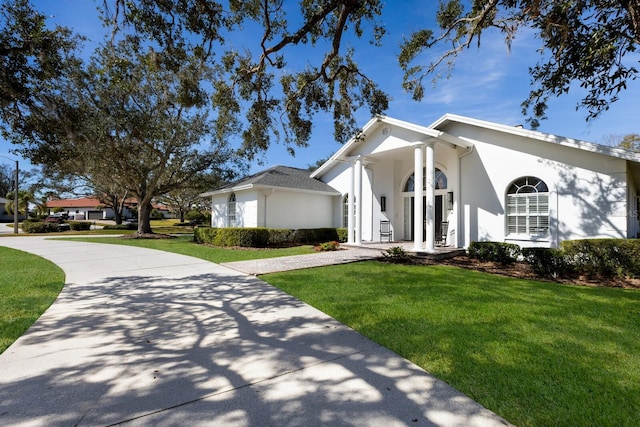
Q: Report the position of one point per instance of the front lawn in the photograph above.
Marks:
(185, 245)
(28, 286)
(535, 353)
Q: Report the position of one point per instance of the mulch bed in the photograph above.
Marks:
(522, 270)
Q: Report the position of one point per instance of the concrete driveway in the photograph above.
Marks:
(140, 337)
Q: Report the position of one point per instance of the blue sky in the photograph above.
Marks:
(488, 83)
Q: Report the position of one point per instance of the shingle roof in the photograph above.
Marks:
(281, 177)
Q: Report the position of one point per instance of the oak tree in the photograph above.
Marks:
(591, 43)
(258, 90)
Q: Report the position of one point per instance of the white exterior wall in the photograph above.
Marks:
(246, 209)
(588, 194)
(386, 171)
(219, 210)
(275, 209)
(290, 209)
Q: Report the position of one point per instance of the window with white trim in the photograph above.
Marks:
(231, 211)
(345, 211)
(528, 207)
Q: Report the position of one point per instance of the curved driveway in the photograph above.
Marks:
(140, 337)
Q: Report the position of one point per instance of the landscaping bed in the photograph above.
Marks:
(523, 270)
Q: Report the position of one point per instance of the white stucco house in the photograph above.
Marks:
(484, 181)
(279, 197)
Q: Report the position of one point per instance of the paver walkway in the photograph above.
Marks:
(296, 262)
(146, 338)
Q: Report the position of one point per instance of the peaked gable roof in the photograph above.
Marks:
(437, 130)
(448, 118)
(380, 121)
(283, 177)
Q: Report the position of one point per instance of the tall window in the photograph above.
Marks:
(345, 211)
(528, 207)
(440, 180)
(231, 210)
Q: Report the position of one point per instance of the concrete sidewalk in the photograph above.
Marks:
(140, 337)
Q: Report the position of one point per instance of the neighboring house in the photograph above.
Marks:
(84, 208)
(279, 197)
(4, 215)
(486, 181)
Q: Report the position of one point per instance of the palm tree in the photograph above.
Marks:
(24, 198)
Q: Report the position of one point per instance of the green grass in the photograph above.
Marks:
(184, 245)
(536, 353)
(28, 286)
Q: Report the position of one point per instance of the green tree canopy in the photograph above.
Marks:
(30, 56)
(257, 94)
(586, 42)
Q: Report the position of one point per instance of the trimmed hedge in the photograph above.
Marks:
(504, 253)
(129, 226)
(264, 237)
(80, 225)
(548, 262)
(37, 226)
(204, 234)
(604, 258)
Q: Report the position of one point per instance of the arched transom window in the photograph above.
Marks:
(528, 207)
(231, 211)
(440, 180)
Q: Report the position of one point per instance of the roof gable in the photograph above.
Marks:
(284, 177)
(422, 133)
(621, 153)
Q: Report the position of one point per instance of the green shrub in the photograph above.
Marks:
(279, 237)
(204, 234)
(196, 217)
(397, 255)
(314, 236)
(243, 237)
(328, 246)
(79, 225)
(548, 262)
(129, 226)
(503, 253)
(263, 237)
(604, 257)
(343, 235)
(37, 226)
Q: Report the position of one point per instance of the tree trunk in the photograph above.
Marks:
(144, 218)
(117, 216)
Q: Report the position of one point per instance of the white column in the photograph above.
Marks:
(350, 206)
(417, 199)
(431, 195)
(358, 191)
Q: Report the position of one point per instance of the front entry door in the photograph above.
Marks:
(437, 219)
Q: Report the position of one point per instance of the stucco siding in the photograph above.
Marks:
(289, 209)
(219, 210)
(588, 194)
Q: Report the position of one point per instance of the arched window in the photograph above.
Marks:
(231, 211)
(440, 180)
(528, 207)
